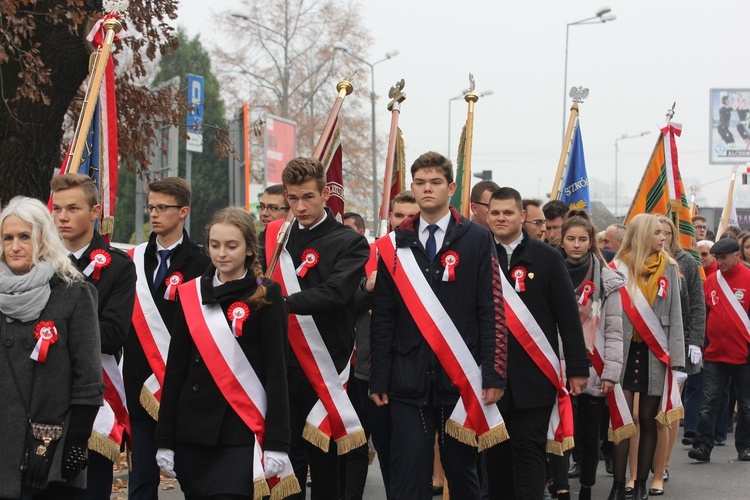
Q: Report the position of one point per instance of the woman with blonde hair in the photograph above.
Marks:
(653, 343)
(50, 372)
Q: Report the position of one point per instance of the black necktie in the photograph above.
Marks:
(431, 246)
(73, 260)
(161, 273)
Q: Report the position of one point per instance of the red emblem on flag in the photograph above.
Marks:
(175, 279)
(310, 259)
(519, 274)
(586, 292)
(450, 261)
(663, 285)
(100, 259)
(46, 335)
(238, 313)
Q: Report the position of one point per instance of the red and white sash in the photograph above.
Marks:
(152, 333)
(113, 418)
(529, 334)
(333, 416)
(237, 381)
(732, 307)
(648, 326)
(471, 422)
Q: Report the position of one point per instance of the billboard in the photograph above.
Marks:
(729, 126)
(195, 100)
(279, 146)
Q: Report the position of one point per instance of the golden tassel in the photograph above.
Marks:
(149, 403)
(107, 225)
(316, 437)
(260, 489)
(104, 446)
(621, 434)
(671, 416)
(370, 457)
(287, 487)
(461, 433)
(493, 437)
(349, 442)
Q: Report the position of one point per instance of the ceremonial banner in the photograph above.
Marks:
(333, 164)
(398, 180)
(458, 195)
(575, 191)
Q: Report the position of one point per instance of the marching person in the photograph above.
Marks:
(653, 343)
(225, 389)
(438, 339)
(166, 260)
(273, 205)
(50, 372)
(320, 267)
(535, 223)
(479, 199)
(76, 209)
(600, 309)
(554, 213)
(544, 303)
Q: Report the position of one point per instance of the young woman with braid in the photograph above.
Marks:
(216, 409)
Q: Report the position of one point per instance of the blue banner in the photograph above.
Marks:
(575, 192)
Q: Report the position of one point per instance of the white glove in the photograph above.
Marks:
(696, 356)
(274, 462)
(680, 377)
(165, 461)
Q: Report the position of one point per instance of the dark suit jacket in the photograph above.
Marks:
(190, 260)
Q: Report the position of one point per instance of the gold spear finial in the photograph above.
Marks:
(396, 94)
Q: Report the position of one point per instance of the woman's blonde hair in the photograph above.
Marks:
(636, 247)
(672, 248)
(45, 239)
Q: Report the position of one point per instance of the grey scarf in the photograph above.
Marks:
(23, 297)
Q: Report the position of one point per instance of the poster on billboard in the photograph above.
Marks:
(729, 126)
(280, 146)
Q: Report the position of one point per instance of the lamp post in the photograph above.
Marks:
(617, 150)
(460, 96)
(373, 147)
(602, 16)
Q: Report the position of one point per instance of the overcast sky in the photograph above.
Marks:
(655, 53)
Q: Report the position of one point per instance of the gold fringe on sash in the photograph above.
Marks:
(493, 437)
(107, 226)
(260, 489)
(460, 433)
(621, 434)
(315, 436)
(287, 487)
(149, 403)
(671, 416)
(347, 443)
(370, 457)
(105, 447)
(557, 448)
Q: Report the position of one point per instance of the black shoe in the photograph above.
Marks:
(665, 476)
(744, 455)
(628, 492)
(574, 470)
(720, 442)
(437, 491)
(608, 465)
(701, 453)
(640, 492)
(688, 439)
(655, 492)
(618, 491)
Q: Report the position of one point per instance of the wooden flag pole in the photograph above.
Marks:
(397, 97)
(578, 94)
(724, 220)
(471, 98)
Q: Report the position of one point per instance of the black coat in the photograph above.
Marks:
(116, 291)
(403, 364)
(551, 300)
(327, 290)
(193, 409)
(190, 260)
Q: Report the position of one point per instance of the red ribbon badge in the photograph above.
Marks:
(238, 313)
(586, 292)
(100, 259)
(663, 284)
(175, 279)
(450, 261)
(310, 259)
(519, 274)
(46, 335)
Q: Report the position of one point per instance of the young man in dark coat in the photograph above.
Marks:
(169, 255)
(329, 259)
(76, 208)
(516, 468)
(406, 373)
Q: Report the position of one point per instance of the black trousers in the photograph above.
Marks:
(143, 480)
(378, 420)
(98, 478)
(353, 466)
(516, 467)
(412, 454)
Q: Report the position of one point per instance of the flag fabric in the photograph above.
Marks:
(458, 195)
(398, 179)
(333, 163)
(661, 184)
(575, 191)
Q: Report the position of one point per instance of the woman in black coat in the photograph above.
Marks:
(200, 436)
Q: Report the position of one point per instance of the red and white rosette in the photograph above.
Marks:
(175, 279)
(663, 285)
(450, 261)
(238, 313)
(519, 274)
(587, 290)
(46, 335)
(100, 259)
(310, 259)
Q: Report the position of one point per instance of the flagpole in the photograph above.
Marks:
(111, 26)
(578, 94)
(724, 220)
(471, 98)
(397, 97)
(344, 88)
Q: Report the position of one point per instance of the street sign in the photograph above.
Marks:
(195, 113)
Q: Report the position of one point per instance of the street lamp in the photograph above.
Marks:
(617, 150)
(373, 149)
(285, 74)
(460, 96)
(602, 16)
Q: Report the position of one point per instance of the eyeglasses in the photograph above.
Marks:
(704, 254)
(159, 208)
(667, 234)
(483, 204)
(272, 208)
(700, 227)
(537, 222)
